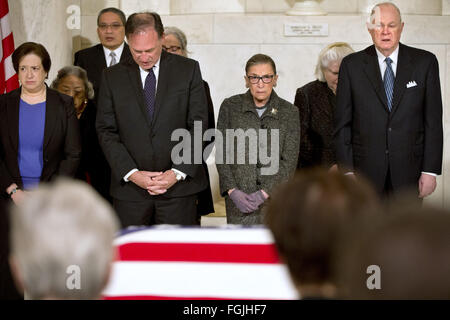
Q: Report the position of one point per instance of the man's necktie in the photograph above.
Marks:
(149, 93)
(113, 58)
(389, 82)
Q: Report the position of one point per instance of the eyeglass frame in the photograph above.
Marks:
(250, 77)
(171, 48)
(113, 26)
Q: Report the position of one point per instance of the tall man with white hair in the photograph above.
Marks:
(62, 242)
(388, 118)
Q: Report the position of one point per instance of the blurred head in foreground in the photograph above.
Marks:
(62, 242)
(404, 256)
(306, 216)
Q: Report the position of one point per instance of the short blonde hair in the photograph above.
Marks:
(333, 52)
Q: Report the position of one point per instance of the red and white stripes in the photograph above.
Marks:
(199, 263)
(8, 77)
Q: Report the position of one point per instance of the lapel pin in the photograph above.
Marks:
(274, 111)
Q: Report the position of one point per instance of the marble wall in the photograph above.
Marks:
(281, 6)
(45, 22)
(223, 34)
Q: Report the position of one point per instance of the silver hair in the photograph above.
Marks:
(333, 52)
(386, 3)
(181, 37)
(77, 72)
(58, 226)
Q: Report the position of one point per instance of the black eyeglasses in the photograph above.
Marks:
(114, 26)
(172, 48)
(265, 78)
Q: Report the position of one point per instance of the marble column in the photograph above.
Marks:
(446, 7)
(206, 6)
(45, 22)
(159, 6)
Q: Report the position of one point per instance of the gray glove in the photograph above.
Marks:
(242, 201)
(257, 198)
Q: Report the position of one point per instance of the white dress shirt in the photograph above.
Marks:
(143, 74)
(117, 51)
(382, 63)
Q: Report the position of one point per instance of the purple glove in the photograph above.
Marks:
(257, 198)
(242, 201)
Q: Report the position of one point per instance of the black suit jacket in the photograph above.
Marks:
(62, 147)
(93, 166)
(408, 140)
(93, 61)
(127, 137)
(316, 103)
(205, 202)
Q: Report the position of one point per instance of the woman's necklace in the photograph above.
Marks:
(34, 98)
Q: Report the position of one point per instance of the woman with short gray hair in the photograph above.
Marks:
(175, 41)
(94, 169)
(316, 102)
(80, 91)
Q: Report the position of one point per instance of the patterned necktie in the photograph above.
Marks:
(389, 82)
(113, 58)
(149, 93)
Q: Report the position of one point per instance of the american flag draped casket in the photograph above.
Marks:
(168, 262)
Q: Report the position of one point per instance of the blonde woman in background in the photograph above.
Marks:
(316, 102)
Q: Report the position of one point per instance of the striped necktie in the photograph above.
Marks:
(389, 82)
(113, 58)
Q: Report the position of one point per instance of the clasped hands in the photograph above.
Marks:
(154, 182)
(247, 203)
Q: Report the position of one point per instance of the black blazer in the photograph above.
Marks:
(62, 147)
(93, 61)
(316, 103)
(205, 202)
(127, 137)
(408, 140)
(93, 166)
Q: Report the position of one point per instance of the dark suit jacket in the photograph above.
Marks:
(62, 148)
(370, 139)
(316, 103)
(205, 203)
(93, 61)
(127, 137)
(93, 166)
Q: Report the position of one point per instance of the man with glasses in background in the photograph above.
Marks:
(112, 48)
